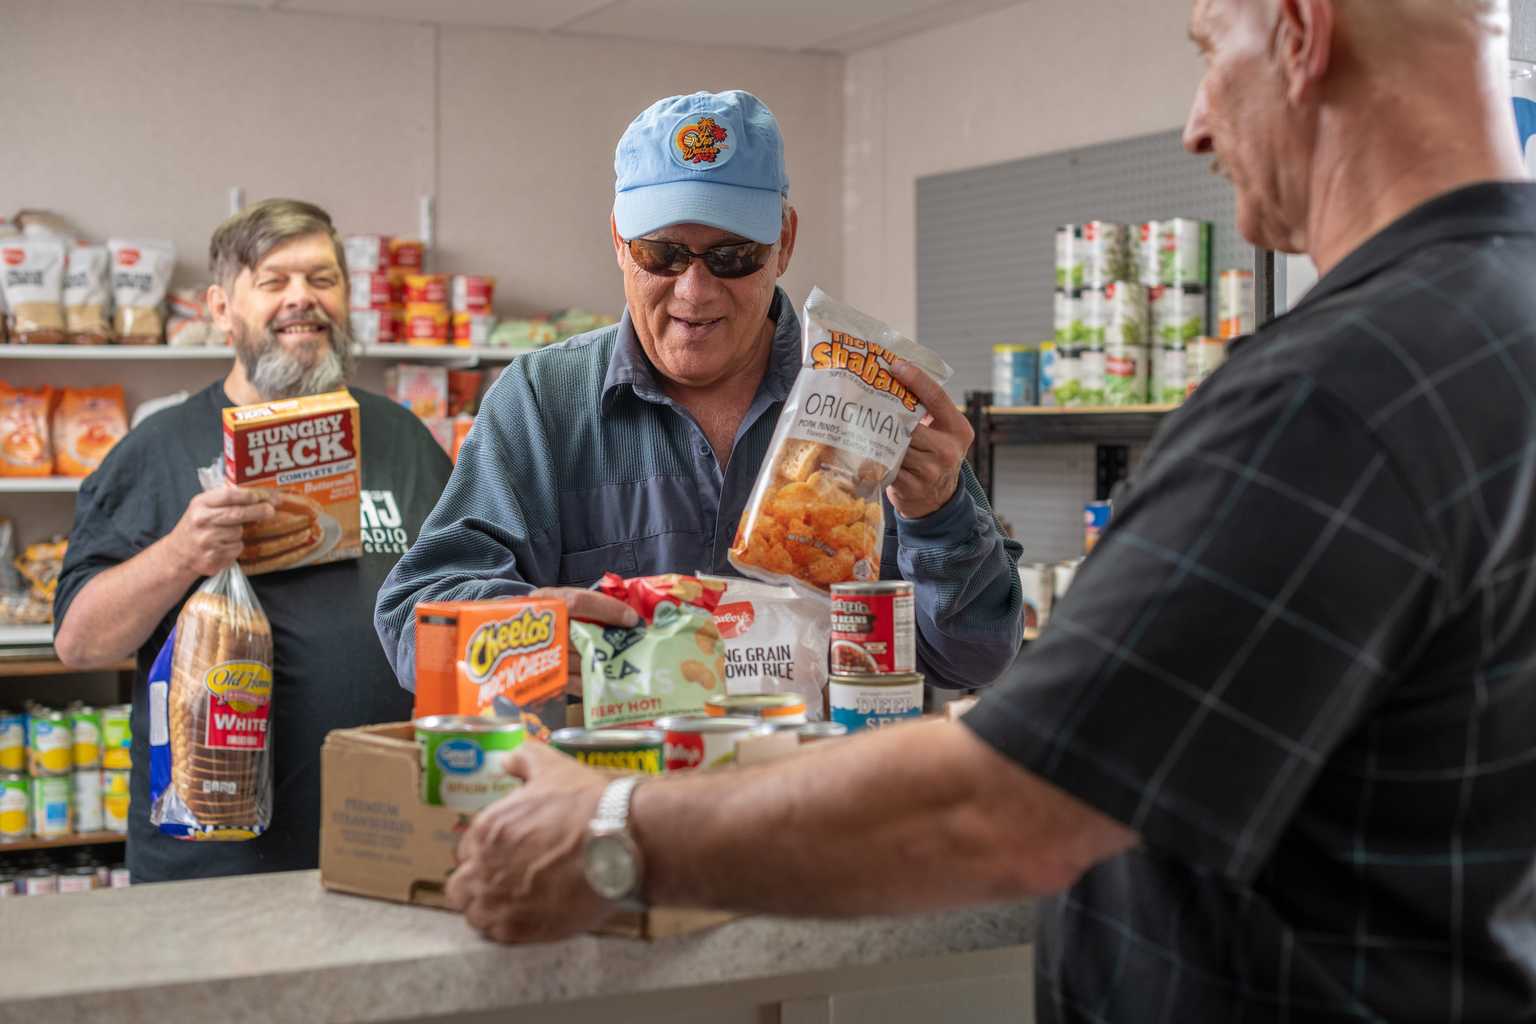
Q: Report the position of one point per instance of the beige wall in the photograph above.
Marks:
(135, 117)
(1041, 76)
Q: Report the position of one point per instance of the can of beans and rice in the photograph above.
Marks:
(874, 627)
(639, 751)
(462, 759)
(874, 701)
(704, 741)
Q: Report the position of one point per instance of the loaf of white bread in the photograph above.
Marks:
(220, 787)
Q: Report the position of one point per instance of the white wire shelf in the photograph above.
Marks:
(40, 484)
(107, 353)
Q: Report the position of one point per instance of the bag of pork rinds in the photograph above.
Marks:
(815, 516)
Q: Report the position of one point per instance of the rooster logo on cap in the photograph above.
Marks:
(701, 142)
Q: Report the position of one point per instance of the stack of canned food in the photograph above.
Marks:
(40, 875)
(874, 680)
(63, 772)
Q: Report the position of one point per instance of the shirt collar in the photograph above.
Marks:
(1476, 211)
(629, 365)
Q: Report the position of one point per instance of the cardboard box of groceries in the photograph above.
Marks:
(378, 839)
(306, 453)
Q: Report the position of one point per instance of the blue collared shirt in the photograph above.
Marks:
(579, 464)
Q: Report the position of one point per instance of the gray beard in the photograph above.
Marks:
(276, 374)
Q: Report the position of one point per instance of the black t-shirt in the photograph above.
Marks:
(1301, 664)
(329, 671)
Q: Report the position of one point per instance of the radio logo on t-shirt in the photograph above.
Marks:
(383, 525)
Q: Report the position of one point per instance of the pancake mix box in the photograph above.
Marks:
(305, 453)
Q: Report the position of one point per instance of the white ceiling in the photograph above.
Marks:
(818, 25)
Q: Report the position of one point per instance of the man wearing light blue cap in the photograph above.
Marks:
(633, 449)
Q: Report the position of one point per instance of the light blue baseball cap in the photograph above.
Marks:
(712, 158)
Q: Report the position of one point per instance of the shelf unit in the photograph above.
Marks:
(1106, 428)
(64, 842)
(118, 353)
(40, 484)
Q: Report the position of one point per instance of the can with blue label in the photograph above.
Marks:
(463, 759)
(875, 701)
(1095, 521)
(1015, 375)
(13, 742)
(1047, 387)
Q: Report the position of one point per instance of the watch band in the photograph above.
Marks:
(613, 806)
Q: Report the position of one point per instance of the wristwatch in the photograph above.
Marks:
(610, 855)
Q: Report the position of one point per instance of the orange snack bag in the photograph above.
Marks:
(87, 423)
(25, 449)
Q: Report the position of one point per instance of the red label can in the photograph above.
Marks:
(874, 628)
(695, 741)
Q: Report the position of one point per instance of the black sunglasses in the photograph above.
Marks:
(669, 259)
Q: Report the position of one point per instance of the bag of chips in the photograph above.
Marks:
(210, 712)
(670, 664)
(815, 517)
(25, 449)
(87, 423)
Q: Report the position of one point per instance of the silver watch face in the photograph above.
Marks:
(611, 866)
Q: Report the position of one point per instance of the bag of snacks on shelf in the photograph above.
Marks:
(775, 640)
(25, 449)
(141, 274)
(669, 664)
(32, 276)
(40, 565)
(88, 295)
(87, 422)
(210, 706)
(815, 517)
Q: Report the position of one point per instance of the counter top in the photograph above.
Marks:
(280, 947)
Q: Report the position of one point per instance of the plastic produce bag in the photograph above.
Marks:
(210, 705)
(670, 664)
(815, 517)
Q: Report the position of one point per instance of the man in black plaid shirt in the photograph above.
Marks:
(1275, 753)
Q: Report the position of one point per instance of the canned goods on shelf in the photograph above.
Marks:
(86, 796)
(462, 759)
(117, 737)
(13, 742)
(1126, 369)
(52, 809)
(1015, 375)
(15, 807)
(1235, 302)
(39, 882)
(50, 743)
(80, 879)
(472, 293)
(641, 751)
(114, 800)
(85, 730)
(120, 879)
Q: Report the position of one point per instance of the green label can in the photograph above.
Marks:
(15, 807)
(638, 751)
(462, 759)
(52, 811)
(85, 724)
(117, 737)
